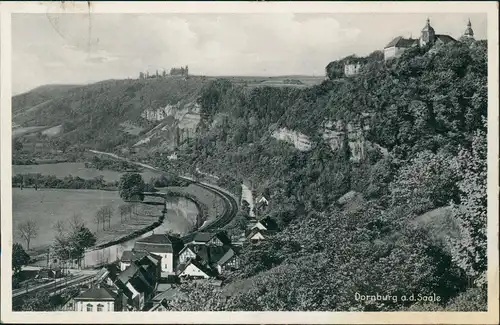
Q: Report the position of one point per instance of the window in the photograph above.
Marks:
(100, 307)
(89, 307)
(108, 306)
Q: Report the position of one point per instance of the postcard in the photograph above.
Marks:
(249, 162)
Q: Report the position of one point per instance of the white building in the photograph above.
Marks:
(161, 245)
(98, 300)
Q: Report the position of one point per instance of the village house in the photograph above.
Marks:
(266, 223)
(229, 261)
(163, 245)
(219, 238)
(196, 268)
(107, 275)
(138, 282)
(256, 234)
(261, 203)
(428, 37)
(97, 299)
(220, 258)
(129, 256)
(163, 301)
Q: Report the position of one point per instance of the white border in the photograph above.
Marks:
(490, 317)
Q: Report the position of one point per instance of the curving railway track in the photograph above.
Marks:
(231, 204)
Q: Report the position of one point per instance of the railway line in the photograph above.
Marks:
(231, 204)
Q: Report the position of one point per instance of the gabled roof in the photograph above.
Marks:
(445, 38)
(153, 248)
(159, 243)
(168, 295)
(255, 231)
(228, 256)
(209, 254)
(156, 239)
(205, 237)
(128, 273)
(97, 294)
(401, 42)
(133, 255)
(204, 268)
(212, 254)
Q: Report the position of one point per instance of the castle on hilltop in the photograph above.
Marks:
(428, 37)
(182, 71)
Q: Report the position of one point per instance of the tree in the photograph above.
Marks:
(131, 187)
(60, 227)
(104, 215)
(76, 222)
(72, 245)
(19, 257)
(471, 213)
(427, 181)
(28, 231)
(123, 210)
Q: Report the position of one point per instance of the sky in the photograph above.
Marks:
(82, 48)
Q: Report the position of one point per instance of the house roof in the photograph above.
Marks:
(228, 256)
(445, 38)
(153, 248)
(168, 295)
(209, 254)
(264, 233)
(204, 237)
(197, 263)
(132, 255)
(212, 254)
(156, 239)
(128, 273)
(401, 42)
(101, 293)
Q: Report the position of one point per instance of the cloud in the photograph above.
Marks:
(79, 48)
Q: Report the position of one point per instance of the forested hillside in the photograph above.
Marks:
(428, 108)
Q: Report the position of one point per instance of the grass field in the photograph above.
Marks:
(75, 169)
(46, 206)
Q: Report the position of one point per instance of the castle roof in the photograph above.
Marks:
(469, 31)
(445, 38)
(401, 42)
(428, 27)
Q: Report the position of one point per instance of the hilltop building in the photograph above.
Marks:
(428, 37)
(469, 33)
(352, 69)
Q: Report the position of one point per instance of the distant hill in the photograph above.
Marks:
(94, 115)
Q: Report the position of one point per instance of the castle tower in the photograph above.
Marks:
(427, 36)
(469, 33)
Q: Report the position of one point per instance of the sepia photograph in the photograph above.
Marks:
(249, 159)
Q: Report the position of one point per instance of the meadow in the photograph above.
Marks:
(61, 170)
(47, 206)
